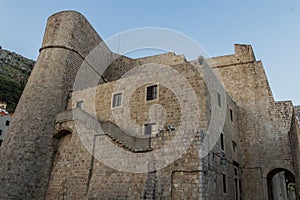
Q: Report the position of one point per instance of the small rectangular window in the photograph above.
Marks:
(219, 99)
(7, 123)
(79, 104)
(117, 100)
(150, 129)
(231, 115)
(222, 142)
(224, 184)
(0, 132)
(151, 92)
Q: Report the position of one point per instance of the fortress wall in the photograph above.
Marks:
(123, 64)
(27, 153)
(76, 174)
(188, 168)
(243, 54)
(295, 146)
(263, 123)
(98, 101)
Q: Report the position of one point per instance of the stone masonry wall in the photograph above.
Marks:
(295, 145)
(263, 123)
(27, 152)
(98, 102)
(259, 134)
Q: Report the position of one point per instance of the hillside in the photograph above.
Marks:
(14, 72)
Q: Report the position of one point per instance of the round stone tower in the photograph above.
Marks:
(27, 152)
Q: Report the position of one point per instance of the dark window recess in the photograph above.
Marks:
(117, 100)
(240, 186)
(224, 184)
(235, 163)
(222, 141)
(148, 129)
(7, 123)
(235, 172)
(219, 99)
(231, 115)
(0, 132)
(151, 93)
(79, 104)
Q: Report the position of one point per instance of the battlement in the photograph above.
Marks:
(243, 54)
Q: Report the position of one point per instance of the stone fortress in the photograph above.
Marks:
(54, 145)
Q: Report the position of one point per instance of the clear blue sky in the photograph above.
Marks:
(272, 27)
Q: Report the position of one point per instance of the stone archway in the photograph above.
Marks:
(281, 185)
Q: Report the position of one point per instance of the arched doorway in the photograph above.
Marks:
(281, 185)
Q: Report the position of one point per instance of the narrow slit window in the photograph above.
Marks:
(219, 100)
(224, 184)
(117, 100)
(0, 132)
(231, 115)
(222, 142)
(151, 92)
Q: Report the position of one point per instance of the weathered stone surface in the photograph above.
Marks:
(60, 154)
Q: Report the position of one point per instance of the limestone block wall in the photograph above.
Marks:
(27, 153)
(76, 174)
(295, 145)
(98, 100)
(263, 123)
(188, 174)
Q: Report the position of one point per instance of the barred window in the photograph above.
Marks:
(151, 92)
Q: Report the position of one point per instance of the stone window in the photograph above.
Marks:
(224, 184)
(149, 128)
(151, 92)
(222, 142)
(231, 115)
(79, 104)
(7, 123)
(219, 100)
(117, 100)
(0, 132)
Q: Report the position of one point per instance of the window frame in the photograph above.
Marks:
(152, 131)
(157, 92)
(79, 104)
(112, 100)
